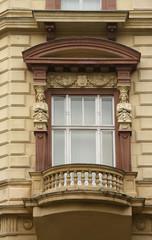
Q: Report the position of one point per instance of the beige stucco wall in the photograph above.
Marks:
(17, 148)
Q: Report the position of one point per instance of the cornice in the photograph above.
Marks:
(17, 19)
(35, 19)
(80, 16)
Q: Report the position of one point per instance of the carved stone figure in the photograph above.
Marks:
(124, 111)
(40, 111)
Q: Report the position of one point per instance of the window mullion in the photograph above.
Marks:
(83, 111)
(98, 147)
(81, 4)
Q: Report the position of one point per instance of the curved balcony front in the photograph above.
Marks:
(80, 201)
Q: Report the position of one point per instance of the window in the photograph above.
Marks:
(81, 5)
(83, 129)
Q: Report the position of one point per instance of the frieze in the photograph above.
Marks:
(81, 80)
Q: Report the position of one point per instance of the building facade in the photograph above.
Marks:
(75, 119)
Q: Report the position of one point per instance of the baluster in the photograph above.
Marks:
(90, 178)
(114, 182)
(82, 178)
(68, 178)
(108, 180)
(53, 181)
(104, 180)
(75, 178)
(121, 184)
(62, 179)
(97, 179)
(49, 182)
(117, 184)
(45, 183)
(57, 179)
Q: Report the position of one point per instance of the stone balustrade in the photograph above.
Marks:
(81, 175)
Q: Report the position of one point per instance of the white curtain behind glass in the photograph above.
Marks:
(83, 146)
(91, 5)
(70, 5)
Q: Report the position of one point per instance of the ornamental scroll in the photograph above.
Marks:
(40, 109)
(81, 80)
(124, 110)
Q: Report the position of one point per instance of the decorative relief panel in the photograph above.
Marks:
(81, 80)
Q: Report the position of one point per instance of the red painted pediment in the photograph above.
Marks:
(81, 51)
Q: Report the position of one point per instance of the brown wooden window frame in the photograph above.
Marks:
(94, 91)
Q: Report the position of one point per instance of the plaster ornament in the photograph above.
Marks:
(40, 110)
(82, 80)
(79, 80)
(124, 111)
(27, 224)
(140, 224)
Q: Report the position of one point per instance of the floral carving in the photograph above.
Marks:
(124, 110)
(81, 80)
(40, 110)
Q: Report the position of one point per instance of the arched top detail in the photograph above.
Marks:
(81, 51)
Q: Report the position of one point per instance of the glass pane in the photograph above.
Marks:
(70, 5)
(58, 147)
(91, 5)
(83, 146)
(59, 110)
(89, 110)
(107, 113)
(107, 148)
(76, 110)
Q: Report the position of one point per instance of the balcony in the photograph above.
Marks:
(83, 200)
(88, 178)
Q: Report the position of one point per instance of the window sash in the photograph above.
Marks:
(66, 110)
(67, 129)
(90, 5)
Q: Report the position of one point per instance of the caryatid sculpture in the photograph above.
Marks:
(40, 110)
(124, 110)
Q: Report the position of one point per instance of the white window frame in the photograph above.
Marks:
(81, 6)
(98, 127)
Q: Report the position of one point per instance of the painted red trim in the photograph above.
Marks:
(38, 54)
(108, 4)
(53, 4)
(125, 150)
(41, 153)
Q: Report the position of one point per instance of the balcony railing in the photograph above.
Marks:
(83, 177)
(78, 176)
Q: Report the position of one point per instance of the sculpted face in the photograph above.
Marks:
(123, 97)
(40, 96)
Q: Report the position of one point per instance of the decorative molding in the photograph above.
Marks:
(27, 224)
(140, 224)
(50, 31)
(111, 31)
(40, 109)
(124, 109)
(16, 225)
(81, 80)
